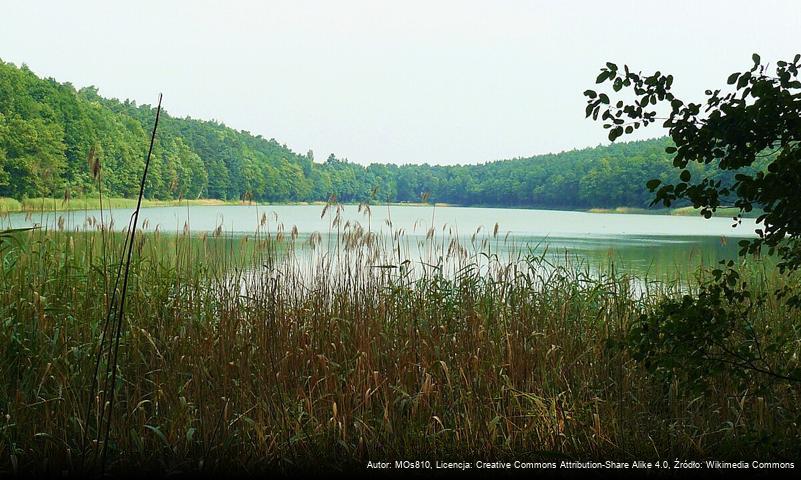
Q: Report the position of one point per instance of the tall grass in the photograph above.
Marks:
(8, 205)
(280, 351)
(36, 204)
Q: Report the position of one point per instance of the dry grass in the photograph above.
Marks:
(239, 355)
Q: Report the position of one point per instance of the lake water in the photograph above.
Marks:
(642, 243)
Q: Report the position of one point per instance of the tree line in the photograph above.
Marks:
(47, 130)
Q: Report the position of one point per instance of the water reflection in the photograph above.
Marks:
(423, 239)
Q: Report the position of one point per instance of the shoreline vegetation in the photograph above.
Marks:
(11, 205)
(679, 211)
(237, 357)
(64, 137)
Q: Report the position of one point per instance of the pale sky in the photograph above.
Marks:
(437, 81)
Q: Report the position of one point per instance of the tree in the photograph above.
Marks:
(4, 176)
(55, 126)
(752, 130)
(751, 135)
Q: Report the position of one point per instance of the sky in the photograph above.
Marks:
(435, 81)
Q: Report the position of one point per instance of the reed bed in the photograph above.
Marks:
(9, 205)
(68, 203)
(277, 351)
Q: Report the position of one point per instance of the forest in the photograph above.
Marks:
(47, 130)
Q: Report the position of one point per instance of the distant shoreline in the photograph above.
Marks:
(681, 211)
(10, 205)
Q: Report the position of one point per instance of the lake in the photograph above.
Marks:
(641, 243)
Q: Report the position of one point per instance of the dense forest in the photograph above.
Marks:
(47, 129)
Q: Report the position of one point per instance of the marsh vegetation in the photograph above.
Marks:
(240, 355)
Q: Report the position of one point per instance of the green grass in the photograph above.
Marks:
(240, 356)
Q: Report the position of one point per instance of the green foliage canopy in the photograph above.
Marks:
(48, 128)
(750, 136)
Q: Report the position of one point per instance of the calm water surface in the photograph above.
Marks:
(641, 242)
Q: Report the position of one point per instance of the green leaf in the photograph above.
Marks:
(615, 133)
(602, 76)
(685, 176)
(744, 80)
(652, 184)
(732, 78)
(756, 59)
(158, 433)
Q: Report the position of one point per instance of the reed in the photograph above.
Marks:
(281, 351)
(8, 205)
(82, 202)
